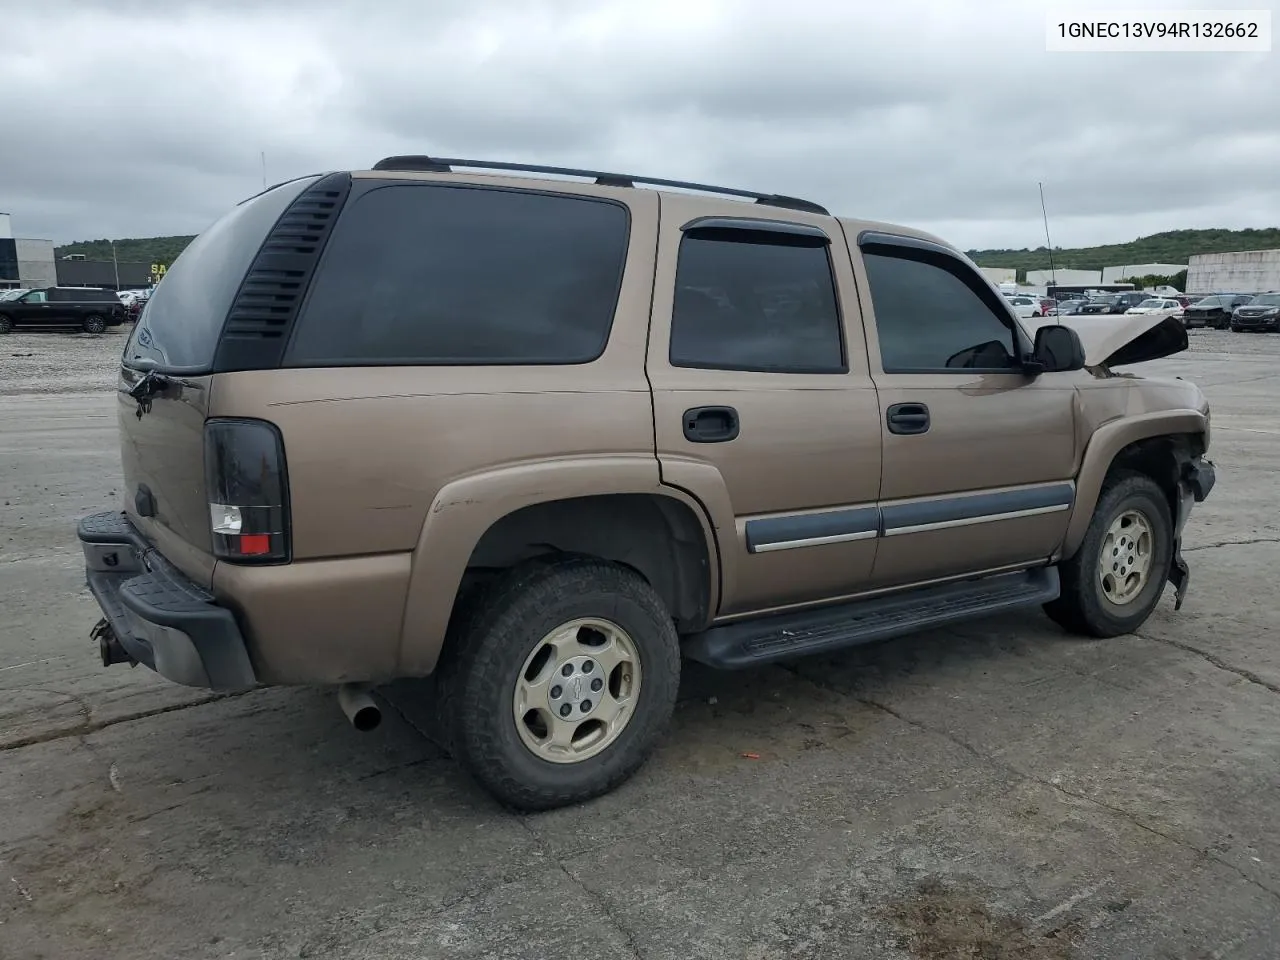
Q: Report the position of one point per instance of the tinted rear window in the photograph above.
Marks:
(443, 274)
(184, 317)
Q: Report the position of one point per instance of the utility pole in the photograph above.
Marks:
(115, 262)
(264, 169)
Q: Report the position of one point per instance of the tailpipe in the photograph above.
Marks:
(359, 706)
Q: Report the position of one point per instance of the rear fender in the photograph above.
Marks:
(466, 508)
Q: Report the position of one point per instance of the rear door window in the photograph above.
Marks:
(179, 330)
(755, 300)
(427, 274)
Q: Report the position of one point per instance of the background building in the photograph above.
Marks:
(1250, 271)
(1120, 274)
(1064, 277)
(24, 262)
(109, 274)
(999, 275)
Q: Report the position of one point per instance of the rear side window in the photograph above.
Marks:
(184, 318)
(755, 300)
(443, 274)
(935, 314)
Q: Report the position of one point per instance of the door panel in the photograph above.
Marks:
(988, 482)
(794, 491)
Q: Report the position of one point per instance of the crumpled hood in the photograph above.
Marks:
(1111, 339)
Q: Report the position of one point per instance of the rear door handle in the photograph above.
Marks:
(908, 418)
(710, 424)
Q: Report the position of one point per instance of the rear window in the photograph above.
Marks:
(444, 274)
(184, 317)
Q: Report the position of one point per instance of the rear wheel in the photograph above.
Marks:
(94, 324)
(1113, 582)
(558, 681)
(5, 324)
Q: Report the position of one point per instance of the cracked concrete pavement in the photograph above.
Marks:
(997, 790)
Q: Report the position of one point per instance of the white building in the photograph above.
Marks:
(1123, 273)
(1249, 271)
(1064, 277)
(24, 263)
(35, 263)
(999, 275)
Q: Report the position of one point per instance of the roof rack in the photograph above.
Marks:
(446, 165)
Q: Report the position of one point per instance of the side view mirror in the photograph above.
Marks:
(1057, 350)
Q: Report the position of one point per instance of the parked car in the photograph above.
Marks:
(1046, 304)
(1260, 313)
(1113, 303)
(1163, 306)
(1066, 308)
(542, 439)
(1024, 306)
(1214, 311)
(92, 310)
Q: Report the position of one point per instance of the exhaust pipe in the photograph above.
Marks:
(359, 707)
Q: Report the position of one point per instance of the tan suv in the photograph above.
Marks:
(543, 437)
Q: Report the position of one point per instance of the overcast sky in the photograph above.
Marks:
(126, 118)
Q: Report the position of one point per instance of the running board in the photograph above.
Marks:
(748, 643)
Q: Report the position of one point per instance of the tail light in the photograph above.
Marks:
(248, 491)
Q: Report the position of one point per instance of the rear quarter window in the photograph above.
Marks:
(180, 328)
(419, 273)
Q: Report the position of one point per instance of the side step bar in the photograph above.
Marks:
(749, 643)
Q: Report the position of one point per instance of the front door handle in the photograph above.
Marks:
(710, 424)
(908, 418)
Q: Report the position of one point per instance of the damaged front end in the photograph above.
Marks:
(1195, 478)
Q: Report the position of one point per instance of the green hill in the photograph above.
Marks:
(1172, 246)
(148, 250)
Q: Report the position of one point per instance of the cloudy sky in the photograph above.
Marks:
(144, 117)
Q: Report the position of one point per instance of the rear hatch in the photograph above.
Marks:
(166, 381)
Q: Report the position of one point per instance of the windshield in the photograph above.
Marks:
(11, 294)
(1266, 300)
(1208, 302)
(1157, 304)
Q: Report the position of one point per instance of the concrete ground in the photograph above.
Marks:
(999, 790)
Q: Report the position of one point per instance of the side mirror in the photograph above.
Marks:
(1057, 350)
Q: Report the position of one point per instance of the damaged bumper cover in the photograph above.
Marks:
(1196, 478)
(154, 615)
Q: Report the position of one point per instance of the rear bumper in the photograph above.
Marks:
(159, 617)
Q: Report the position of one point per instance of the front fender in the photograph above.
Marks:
(1107, 441)
(466, 508)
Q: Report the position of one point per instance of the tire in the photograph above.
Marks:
(94, 324)
(498, 639)
(1084, 606)
(6, 325)
(1234, 328)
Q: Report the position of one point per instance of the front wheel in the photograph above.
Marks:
(1113, 582)
(94, 324)
(558, 681)
(5, 324)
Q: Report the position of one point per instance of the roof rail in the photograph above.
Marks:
(446, 165)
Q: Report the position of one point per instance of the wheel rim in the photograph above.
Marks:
(577, 690)
(1125, 561)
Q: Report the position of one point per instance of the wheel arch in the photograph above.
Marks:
(1154, 445)
(611, 508)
